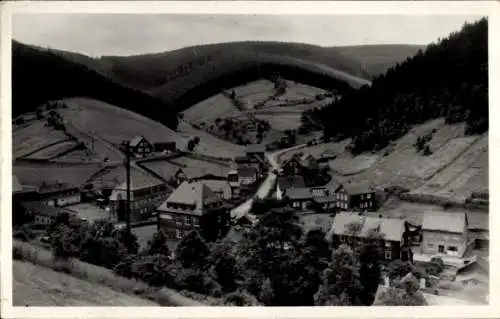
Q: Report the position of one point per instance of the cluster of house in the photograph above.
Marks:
(442, 234)
(249, 169)
(332, 196)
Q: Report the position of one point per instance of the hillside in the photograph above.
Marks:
(39, 75)
(37, 286)
(449, 79)
(377, 59)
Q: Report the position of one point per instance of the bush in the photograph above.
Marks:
(435, 267)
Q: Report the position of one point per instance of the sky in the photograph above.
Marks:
(130, 34)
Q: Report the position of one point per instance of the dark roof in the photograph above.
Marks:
(34, 174)
(241, 159)
(299, 193)
(454, 222)
(255, 148)
(357, 188)
(247, 171)
(286, 182)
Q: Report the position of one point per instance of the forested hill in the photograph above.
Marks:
(449, 79)
(39, 75)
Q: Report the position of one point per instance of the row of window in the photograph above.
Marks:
(181, 219)
(365, 205)
(441, 248)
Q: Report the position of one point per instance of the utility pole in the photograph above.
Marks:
(127, 167)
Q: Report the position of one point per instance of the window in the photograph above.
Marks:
(388, 244)
(178, 234)
(441, 248)
(189, 220)
(452, 248)
(368, 196)
(388, 255)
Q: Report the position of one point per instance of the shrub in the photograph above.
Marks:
(435, 267)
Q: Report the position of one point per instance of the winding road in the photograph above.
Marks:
(267, 185)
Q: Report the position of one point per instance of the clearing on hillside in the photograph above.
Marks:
(36, 286)
(217, 106)
(457, 165)
(35, 136)
(53, 151)
(254, 92)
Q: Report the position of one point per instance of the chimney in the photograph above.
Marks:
(387, 282)
(422, 283)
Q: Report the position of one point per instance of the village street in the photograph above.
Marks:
(267, 185)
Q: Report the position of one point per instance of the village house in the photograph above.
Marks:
(234, 183)
(286, 182)
(300, 198)
(51, 193)
(146, 193)
(445, 233)
(247, 176)
(193, 205)
(45, 215)
(257, 150)
(249, 161)
(351, 228)
(140, 147)
(355, 196)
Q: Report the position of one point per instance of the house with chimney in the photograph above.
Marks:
(193, 205)
(352, 228)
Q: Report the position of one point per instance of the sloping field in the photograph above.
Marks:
(254, 92)
(35, 136)
(39, 286)
(457, 166)
(35, 173)
(208, 110)
(281, 122)
(468, 173)
(209, 144)
(114, 124)
(53, 150)
(198, 168)
(297, 91)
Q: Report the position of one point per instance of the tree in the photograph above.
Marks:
(158, 244)
(406, 294)
(224, 266)
(192, 252)
(341, 284)
(371, 255)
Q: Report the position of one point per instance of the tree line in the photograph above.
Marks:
(448, 79)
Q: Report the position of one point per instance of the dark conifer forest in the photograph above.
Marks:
(40, 75)
(449, 79)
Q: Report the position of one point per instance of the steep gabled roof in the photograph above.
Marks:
(286, 182)
(136, 140)
(453, 222)
(191, 193)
